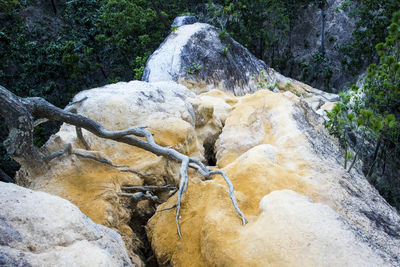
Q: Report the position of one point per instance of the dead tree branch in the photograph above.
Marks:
(160, 15)
(79, 134)
(69, 107)
(148, 187)
(56, 154)
(21, 124)
(139, 196)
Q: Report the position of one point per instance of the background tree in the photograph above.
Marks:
(368, 117)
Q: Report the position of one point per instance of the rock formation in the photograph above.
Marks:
(263, 129)
(194, 56)
(38, 229)
(306, 41)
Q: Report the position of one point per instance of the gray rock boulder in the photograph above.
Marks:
(184, 20)
(39, 229)
(306, 42)
(199, 55)
(201, 58)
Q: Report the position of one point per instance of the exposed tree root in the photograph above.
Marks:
(56, 154)
(13, 108)
(148, 187)
(139, 196)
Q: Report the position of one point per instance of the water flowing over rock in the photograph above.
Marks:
(303, 207)
(38, 229)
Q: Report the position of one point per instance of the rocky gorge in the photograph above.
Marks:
(211, 99)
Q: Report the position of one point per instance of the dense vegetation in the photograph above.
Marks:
(57, 48)
(368, 118)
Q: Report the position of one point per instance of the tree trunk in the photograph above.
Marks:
(18, 118)
(5, 178)
(160, 15)
(323, 28)
(53, 5)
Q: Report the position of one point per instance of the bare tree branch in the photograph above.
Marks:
(56, 154)
(81, 138)
(148, 187)
(69, 107)
(160, 15)
(139, 196)
(170, 208)
(22, 109)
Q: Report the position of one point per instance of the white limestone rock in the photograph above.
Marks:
(39, 229)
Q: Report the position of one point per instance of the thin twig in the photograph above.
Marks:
(67, 108)
(170, 208)
(181, 191)
(354, 161)
(56, 154)
(139, 196)
(148, 187)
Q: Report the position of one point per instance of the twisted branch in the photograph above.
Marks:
(39, 107)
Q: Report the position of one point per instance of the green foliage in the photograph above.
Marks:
(223, 35)
(225, 50)
(39, 137)
(194, 68)
(345, 6)
(317, 68)
(88, 44)
(373, 18)
(7, 6)
(263, 82)
(372, 112)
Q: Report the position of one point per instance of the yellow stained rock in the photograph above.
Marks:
(278, 181)
(288, 191)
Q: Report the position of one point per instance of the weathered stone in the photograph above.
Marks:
(305, 41)
(38, 229)
(272, 142)
(272, 145)
(194, 56)
(166, 109)
(183, 20)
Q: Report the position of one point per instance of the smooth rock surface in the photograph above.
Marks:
(38, 229)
